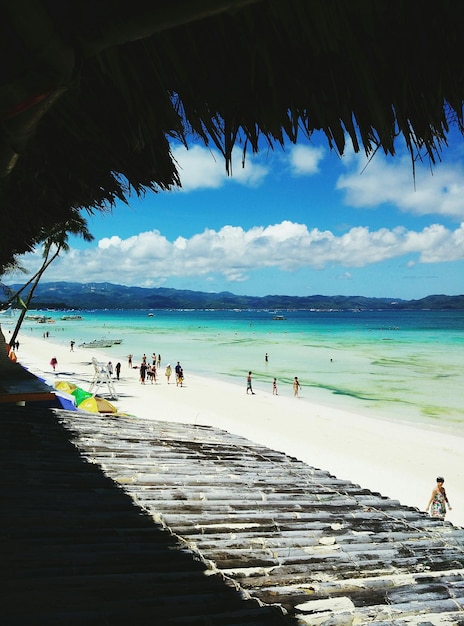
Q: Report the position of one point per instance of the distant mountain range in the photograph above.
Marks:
(64, 295)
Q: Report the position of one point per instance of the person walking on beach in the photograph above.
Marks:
(109, 368)
(159, 361)
(129, 361)
(54, 363)
(438, 501)
(249, 385)
(71, 349)
(296, 386)
(168, 372)
(178, 370)
(180, 377)
(118, 370)
(274, 387)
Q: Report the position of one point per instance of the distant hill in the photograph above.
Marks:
(64, 295)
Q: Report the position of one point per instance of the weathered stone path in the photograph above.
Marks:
(116, 520)
(76, 551)
(290, 534)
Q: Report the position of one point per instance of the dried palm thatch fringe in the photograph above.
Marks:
(92, 94)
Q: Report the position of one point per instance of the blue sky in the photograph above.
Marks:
(298, 221)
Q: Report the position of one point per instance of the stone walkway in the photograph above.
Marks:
(287, 533)
(77, 551)
(113, 520)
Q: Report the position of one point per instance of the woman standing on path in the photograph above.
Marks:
(438, 500)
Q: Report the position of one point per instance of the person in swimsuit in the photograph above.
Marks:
(438, 500)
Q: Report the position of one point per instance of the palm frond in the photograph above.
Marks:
(94, 92)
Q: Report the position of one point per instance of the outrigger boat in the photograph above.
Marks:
(100, 343)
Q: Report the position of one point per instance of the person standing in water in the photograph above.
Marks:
(296, 386)
(438, 501)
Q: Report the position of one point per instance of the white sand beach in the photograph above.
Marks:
(399, 461)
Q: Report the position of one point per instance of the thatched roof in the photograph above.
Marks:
(92, 92)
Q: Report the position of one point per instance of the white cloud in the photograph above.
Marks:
(202, 168)
(305, 159)
(439, 192)
(150, 259)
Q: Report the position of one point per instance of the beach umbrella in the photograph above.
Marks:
(64, 385)
(80, 394)
(65, 401)
(97, 405)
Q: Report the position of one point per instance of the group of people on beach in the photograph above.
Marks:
(116, 370)
(149, 371)
(296, 385)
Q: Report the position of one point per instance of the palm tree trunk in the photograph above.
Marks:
(25, 309)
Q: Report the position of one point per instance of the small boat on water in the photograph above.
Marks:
(72, 318)
(40, 319)
(100, 343)
(279, 317)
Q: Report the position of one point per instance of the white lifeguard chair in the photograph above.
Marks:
(102, 377)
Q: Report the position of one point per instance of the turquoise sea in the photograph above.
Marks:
(406, 366)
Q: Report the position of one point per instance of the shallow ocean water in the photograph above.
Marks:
(406, 366)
